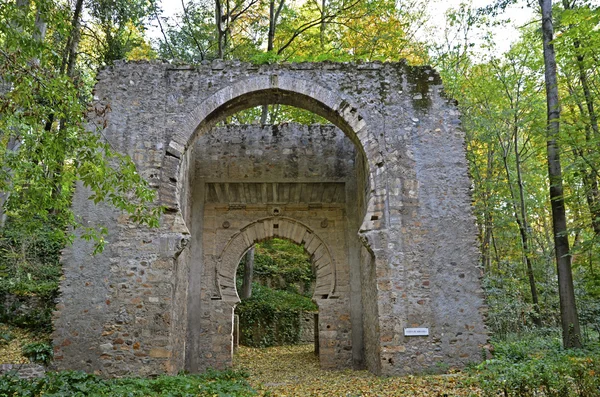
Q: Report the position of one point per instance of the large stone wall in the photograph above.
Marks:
(403, 238)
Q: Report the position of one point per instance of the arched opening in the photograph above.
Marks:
(276, 280)
(274, 89)
(238, 185)
(276, 227)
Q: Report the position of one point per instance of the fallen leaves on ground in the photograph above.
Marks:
(11, 351)
(289, 371)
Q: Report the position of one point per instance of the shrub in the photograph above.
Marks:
(38, 352)
(6, 337)
(75, 383)
(26, 312)
(271, 317)
(29, 270)
(536, 365)
(282, 264)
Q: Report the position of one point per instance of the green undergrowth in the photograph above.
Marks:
(284, 264)
(30, 272)
(535, 364)
(75, 384)
(272, 317)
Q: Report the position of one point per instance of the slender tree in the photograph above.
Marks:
(248, 274)
(40, 89)
(568, 309)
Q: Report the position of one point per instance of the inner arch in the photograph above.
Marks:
(265, 229)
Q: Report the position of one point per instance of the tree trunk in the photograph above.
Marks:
(520, 217)
(264, 114)
(68, 67)
(488, 223)
(74, 39)
(272, 22)
(39, 33)
(248, 271)
(219, 25)
(524, 229)
(568, 309)
(322, 29)
(273, 18)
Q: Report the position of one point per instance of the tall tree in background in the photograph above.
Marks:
(580, 26)
(275, 8)
(117, 20)
(517, 82)
(568, 309)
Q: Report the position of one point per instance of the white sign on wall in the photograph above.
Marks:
(416, 331)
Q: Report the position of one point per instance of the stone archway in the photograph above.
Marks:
(276, 89)
(346, 347)
(281, 227)
(407, 231)
(324, 268)
(316, 210)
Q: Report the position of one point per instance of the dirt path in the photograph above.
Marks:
(294, 371)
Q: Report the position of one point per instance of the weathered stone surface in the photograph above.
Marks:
(23, 371)
(13, 306)
(384, 210)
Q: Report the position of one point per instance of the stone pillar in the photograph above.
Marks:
(335, 334)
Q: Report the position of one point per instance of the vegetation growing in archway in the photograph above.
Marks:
(283, 284)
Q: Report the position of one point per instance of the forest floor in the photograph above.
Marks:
(289, 371)
(11, 342)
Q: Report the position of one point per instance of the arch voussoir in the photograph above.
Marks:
(264, 229)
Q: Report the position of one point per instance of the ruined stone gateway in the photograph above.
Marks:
(379, 199)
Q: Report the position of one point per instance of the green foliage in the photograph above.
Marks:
(6, 337)
(282, 264)
(68, 383)
(537, 365)
(30, 274)
(277, 114)
(117, 20)
(30, 262)
(341, 31)
(502, 100)
(510, 310)
(44, 145)
(271, 317)
(266, 58)
(38, 352)
(37, 319)
(192, 39)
